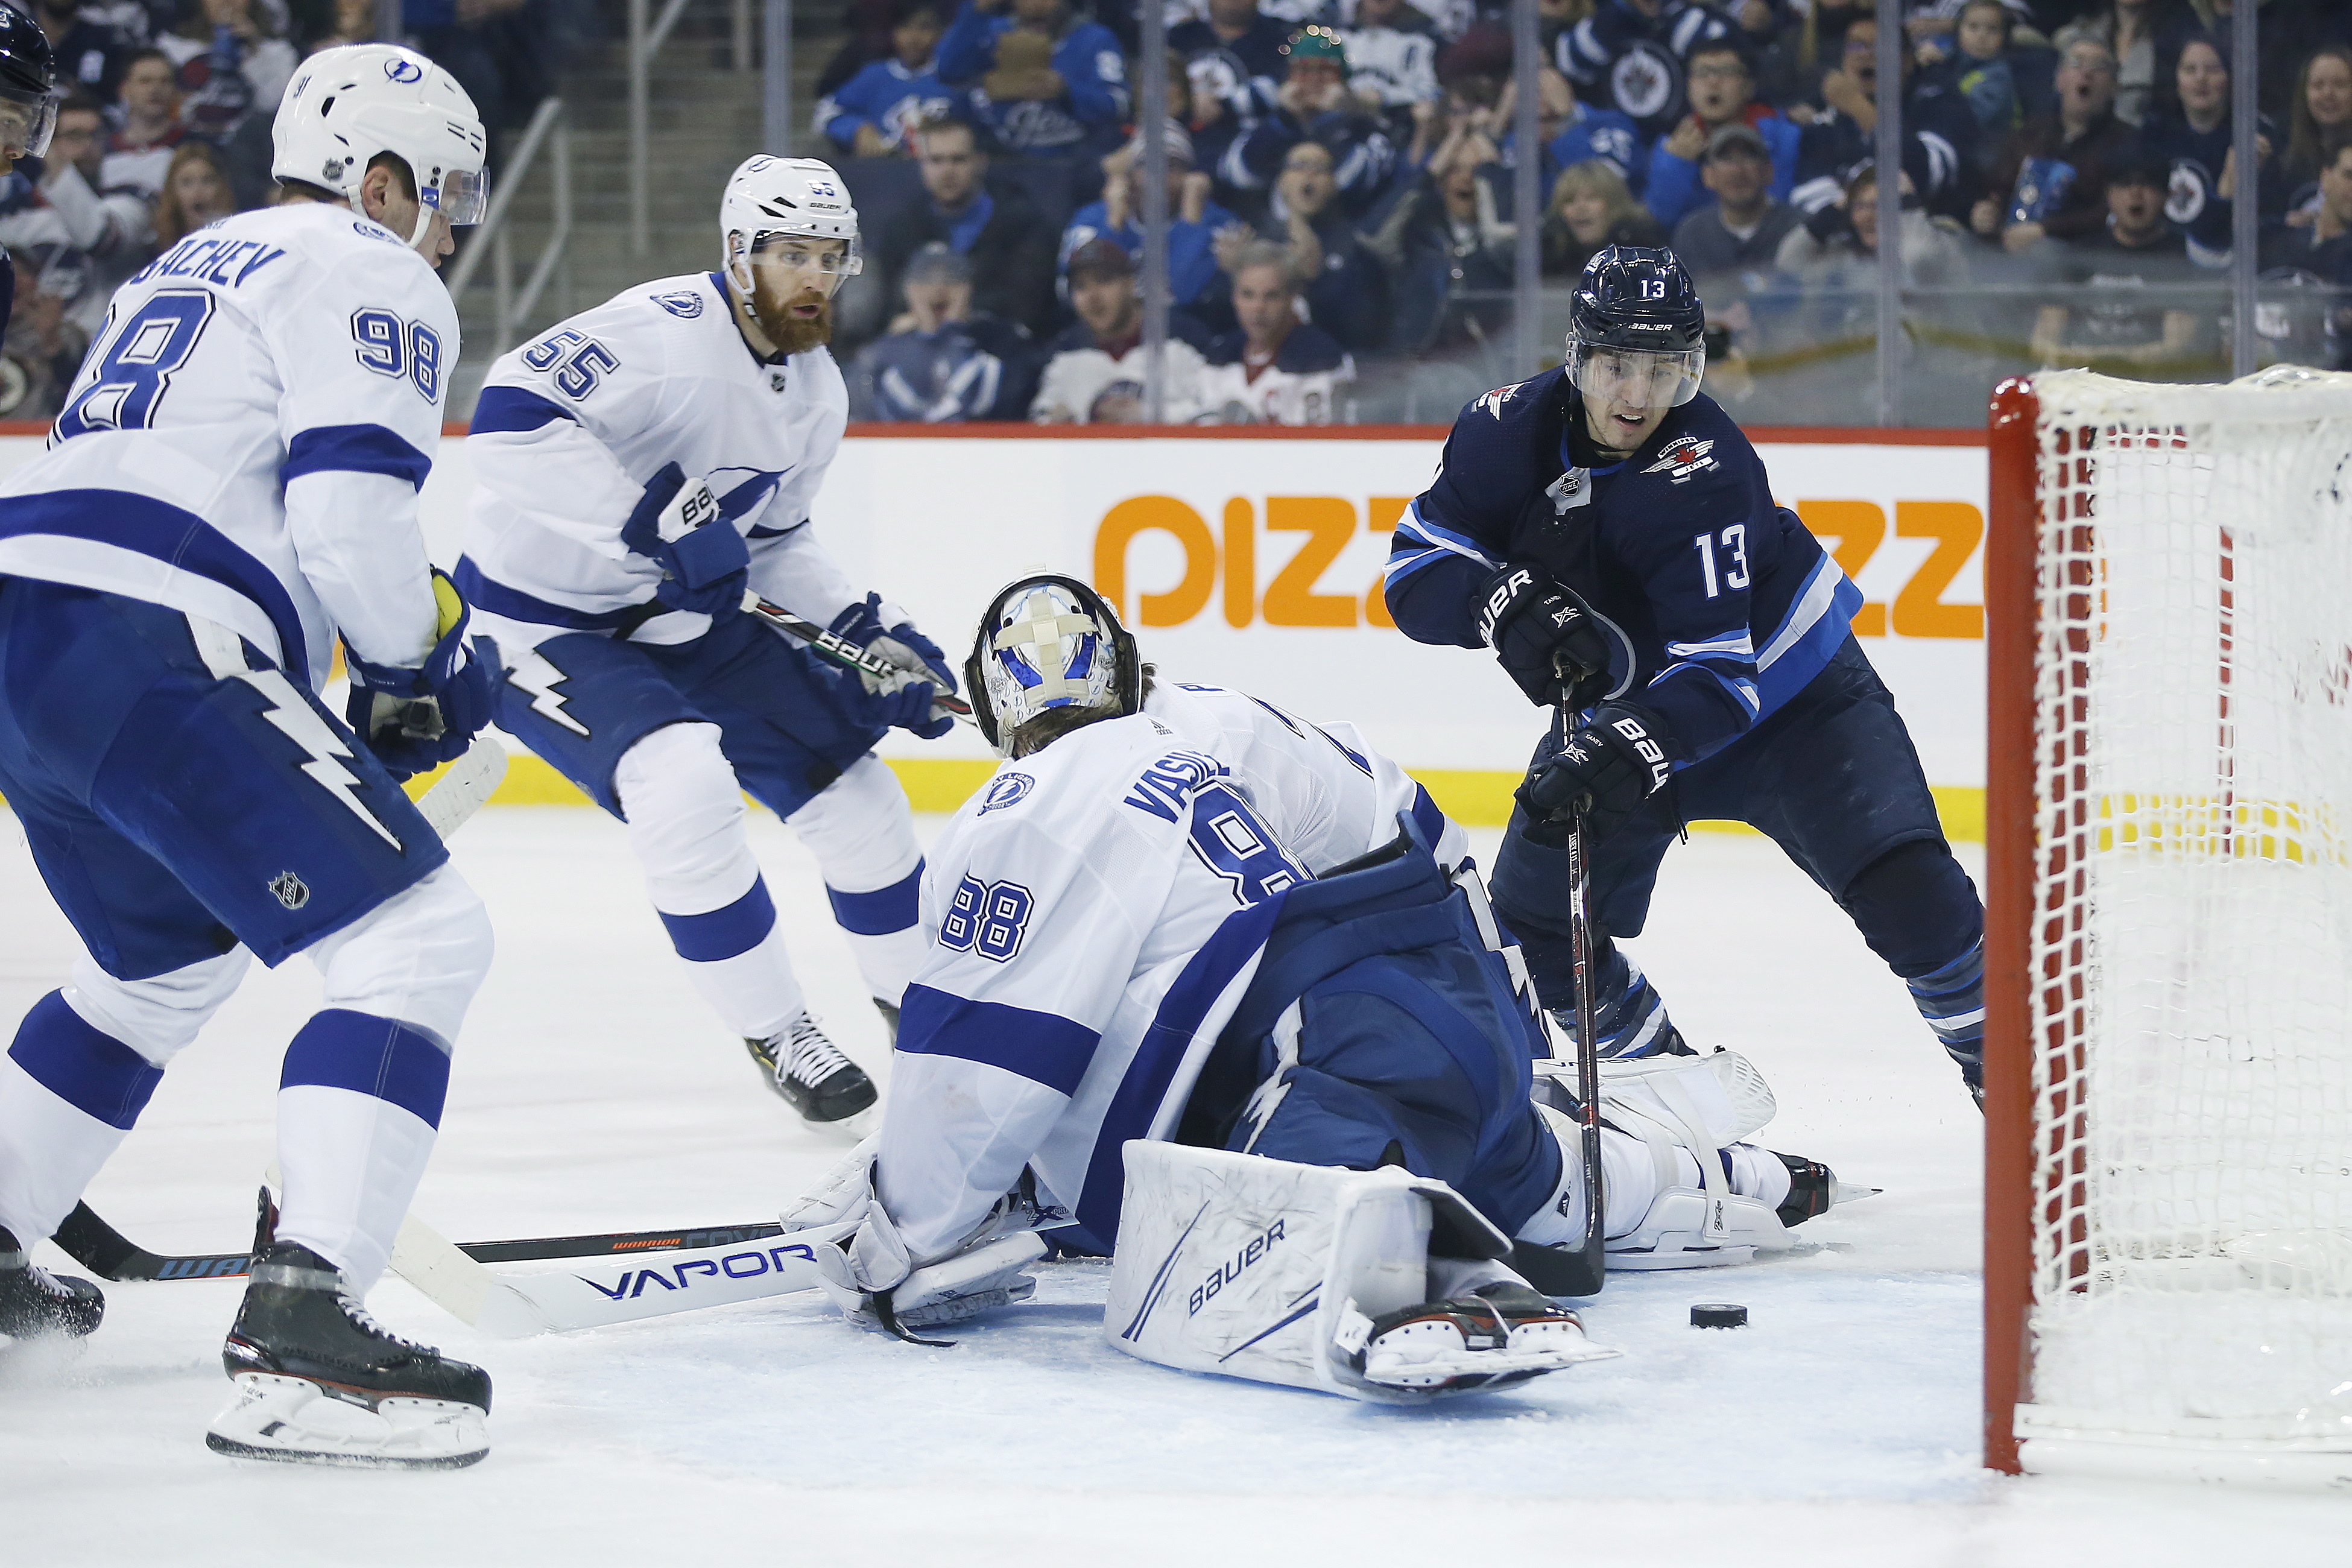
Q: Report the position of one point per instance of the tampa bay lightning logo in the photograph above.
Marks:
(1006, 789)
(404, 70)
(685, 304)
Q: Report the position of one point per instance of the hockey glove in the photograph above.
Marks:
(1544, 636)
(1605, 770)
(704, 562)
(413, 719)
(879, 626)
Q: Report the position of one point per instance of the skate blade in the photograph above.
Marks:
(289, 1420)
(1852, 1192)
(1428, 1356)
(1671, 1256)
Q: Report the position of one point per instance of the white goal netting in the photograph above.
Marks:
(2192, 1008)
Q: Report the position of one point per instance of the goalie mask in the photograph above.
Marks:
(1045, 643)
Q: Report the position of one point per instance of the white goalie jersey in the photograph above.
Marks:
(247, 439)
(571, 425)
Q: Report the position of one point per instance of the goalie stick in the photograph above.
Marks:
(847, 654)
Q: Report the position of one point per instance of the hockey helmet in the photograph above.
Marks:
(769, 198)
(1048, 642)
(28, 74)
(346, 105)
(1635, 322)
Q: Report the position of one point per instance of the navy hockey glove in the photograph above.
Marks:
(1544, 636)
(879, 626)
(415, 720)
(704, 562)
(1606, 769)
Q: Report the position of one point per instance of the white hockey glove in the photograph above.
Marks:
(879, 1285)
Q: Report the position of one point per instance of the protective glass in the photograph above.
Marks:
(1634, 378)
(25, 124)
(800, 259)
(463, 197)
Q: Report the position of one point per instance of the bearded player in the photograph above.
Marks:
(636, 468)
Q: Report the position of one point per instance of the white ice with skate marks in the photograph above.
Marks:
(591, 1092)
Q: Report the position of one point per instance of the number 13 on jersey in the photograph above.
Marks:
(1733, 542)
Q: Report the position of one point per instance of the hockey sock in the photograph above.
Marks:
(862, 833)
(1917, 909)
(1629, 1016)
(68, 1093)
(359, 1103)
(685, 818)
(1952, 1001)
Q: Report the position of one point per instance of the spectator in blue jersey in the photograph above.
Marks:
(1939, 134)
(90, 54)
(2318, 255)
(1232, 63)
(1194, 220)
(1629, 56)
(1447, 256)
(1045, 83)
(1992, 77)
(2124, 313)
(2188, 133)
(873, 113)
(1587, 133)
(1272, 368)
(999, 230)
(1344, 288)
(1722, 94)
(942, 363)
(1313, 104)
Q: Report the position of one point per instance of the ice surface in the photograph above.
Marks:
(592, 1092)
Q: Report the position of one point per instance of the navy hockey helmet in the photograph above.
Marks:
(28, 75)
(1047, 642)
(1635, 322)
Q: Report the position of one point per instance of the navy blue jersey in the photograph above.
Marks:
(1722, 604)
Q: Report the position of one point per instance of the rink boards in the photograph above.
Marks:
(1253, 558)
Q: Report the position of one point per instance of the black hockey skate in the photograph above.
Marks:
(319, 1382)
(1436, 1347)
(1815, 1190)
(37, 1304)
(813, 1075)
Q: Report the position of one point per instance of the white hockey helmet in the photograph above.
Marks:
(1048, 642)
(346, 105)
(797, 198)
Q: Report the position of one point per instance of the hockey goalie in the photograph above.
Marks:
(1201, 997)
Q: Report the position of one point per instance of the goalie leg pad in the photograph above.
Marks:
(293, 1420)
(1294, 1274)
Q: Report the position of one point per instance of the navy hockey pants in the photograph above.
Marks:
(1412, 1047)
(1832, 778)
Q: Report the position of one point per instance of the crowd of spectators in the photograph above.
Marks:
(164, 126)
(1341, 178)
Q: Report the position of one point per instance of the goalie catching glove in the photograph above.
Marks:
(413, 719)
(1620, 757)
(675, 525)
(881, 627)
(865, 1267)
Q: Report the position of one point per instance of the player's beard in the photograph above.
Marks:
(791, 333)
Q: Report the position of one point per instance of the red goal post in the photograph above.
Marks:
(2169, 929)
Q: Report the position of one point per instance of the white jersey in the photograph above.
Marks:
(1081, 966)
(571, 426)
(1324, 790)
(247, 435)
(1095, 913)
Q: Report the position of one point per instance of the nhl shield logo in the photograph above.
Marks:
(776, 381)
(290, 890)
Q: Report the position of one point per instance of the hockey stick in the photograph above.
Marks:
(96, 1245)
(841, 652)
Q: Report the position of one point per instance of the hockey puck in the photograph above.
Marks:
(1718, 1315)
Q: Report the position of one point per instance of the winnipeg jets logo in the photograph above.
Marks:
(1644, 81)
(1681, 457)
(532, 673)
(300, 723)
(1491, 402)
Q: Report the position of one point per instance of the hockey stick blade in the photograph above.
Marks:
(843, 653)
(96, 1245)
(461, 790)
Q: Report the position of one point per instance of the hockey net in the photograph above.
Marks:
(2168, 1267)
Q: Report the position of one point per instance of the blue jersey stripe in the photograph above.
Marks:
(1043, 1048)
(354, 450)
(514, 408)
(1414, 526)
(487, 593)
